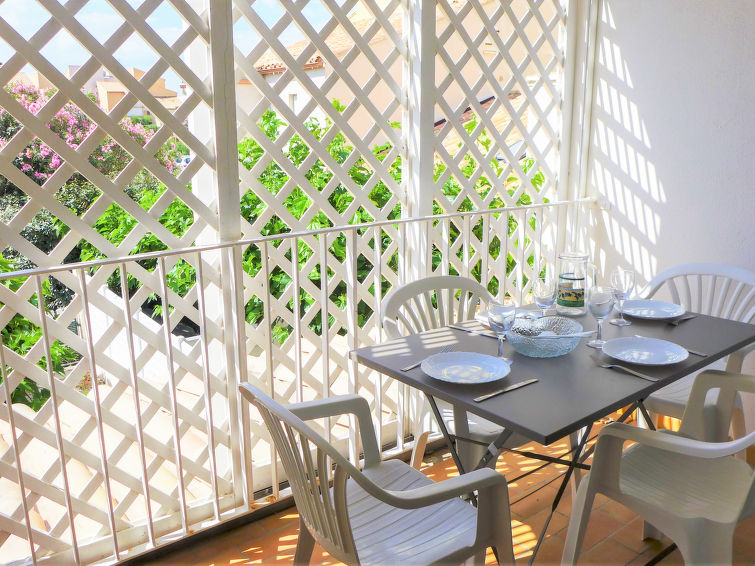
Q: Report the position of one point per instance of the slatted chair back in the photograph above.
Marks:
(430, 303)
(708, 288)
(306, 459)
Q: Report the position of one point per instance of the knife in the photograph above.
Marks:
(473, 331)
(504, 390)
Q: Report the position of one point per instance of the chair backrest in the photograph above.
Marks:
(696, 422)
(432, 302)
(323, 512)
(709, 288)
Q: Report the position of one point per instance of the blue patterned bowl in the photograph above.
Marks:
(541, 337)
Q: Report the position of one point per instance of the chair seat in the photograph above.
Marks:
(387, 535)
(479, 429)
(682, 485)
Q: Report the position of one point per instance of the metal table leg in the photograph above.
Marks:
(444, 431)
(557, 500)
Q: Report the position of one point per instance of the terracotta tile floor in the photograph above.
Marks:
(613, 534)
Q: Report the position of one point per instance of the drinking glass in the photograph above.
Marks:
(501, 318)
(600, 303)
(544, 292)
(622, 281)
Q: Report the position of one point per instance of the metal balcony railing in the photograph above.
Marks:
(142, 438)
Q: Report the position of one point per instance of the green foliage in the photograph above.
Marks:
(20, 335)
(273, 178)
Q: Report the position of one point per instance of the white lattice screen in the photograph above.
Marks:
(498, 94)
(157, 444)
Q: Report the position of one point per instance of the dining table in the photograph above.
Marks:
(572, 391)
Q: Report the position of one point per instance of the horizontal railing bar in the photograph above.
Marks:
(284, 236)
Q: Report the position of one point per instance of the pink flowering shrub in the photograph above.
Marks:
(40, 162)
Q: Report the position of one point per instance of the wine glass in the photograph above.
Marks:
(622, 281)
(501, 318)
(600, 302)
(544, 292)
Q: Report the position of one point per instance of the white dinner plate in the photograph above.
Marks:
(521, 312)
(465, 367)
(646, 308)
(645, 351)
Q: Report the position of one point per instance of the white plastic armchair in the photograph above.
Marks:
(435, 302)
(713, 289)
(387, 513)
(691, 490)
(432, 302)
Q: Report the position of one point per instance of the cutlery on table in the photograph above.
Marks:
(695, 352)
(443, 350)
(504, 390)
(473, 331)
(678, 321)
(630, 371)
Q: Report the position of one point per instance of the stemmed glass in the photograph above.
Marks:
(544, 291)
(501, 318)
(600, 302)
(622, 281)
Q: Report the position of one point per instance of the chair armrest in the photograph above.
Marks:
(676, 443)
(340, 405)
(435, 492)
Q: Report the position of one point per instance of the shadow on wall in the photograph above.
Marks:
(622, 170)
(673, 133)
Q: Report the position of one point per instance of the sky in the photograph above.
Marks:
(27, 16)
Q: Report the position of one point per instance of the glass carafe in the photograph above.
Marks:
(572, 280)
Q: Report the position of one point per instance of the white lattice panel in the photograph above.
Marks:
(498, 101)
(155, 444)
(151, 490)
(352, 54)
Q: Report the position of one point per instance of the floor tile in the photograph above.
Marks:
(607, 553)
(613, 534)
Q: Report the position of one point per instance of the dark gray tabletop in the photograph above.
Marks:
(572, 390)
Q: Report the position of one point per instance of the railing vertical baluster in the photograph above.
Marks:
(98, 408)
(403, 267)
(505, 246)
(352, 329)
(297, 318)
(239, 330)
(466, 253)
(56, 416)
(522, 259)
(202, 305)
(269, 360)
(16, 454)
(378, 286)
(173, 392)
(429, 240)
(137, 403)
(325, 326)
(445, 260)
(484, 273)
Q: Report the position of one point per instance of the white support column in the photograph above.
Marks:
(418, 130)
(221, 187)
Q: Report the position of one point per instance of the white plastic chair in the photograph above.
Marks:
(713, 289)
(693, 491)
(387, 513)
(435, 302)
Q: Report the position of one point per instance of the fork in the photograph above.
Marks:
(443, 350)
(629, 370)
(678, 321)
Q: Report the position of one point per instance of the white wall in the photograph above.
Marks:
(673, 133)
